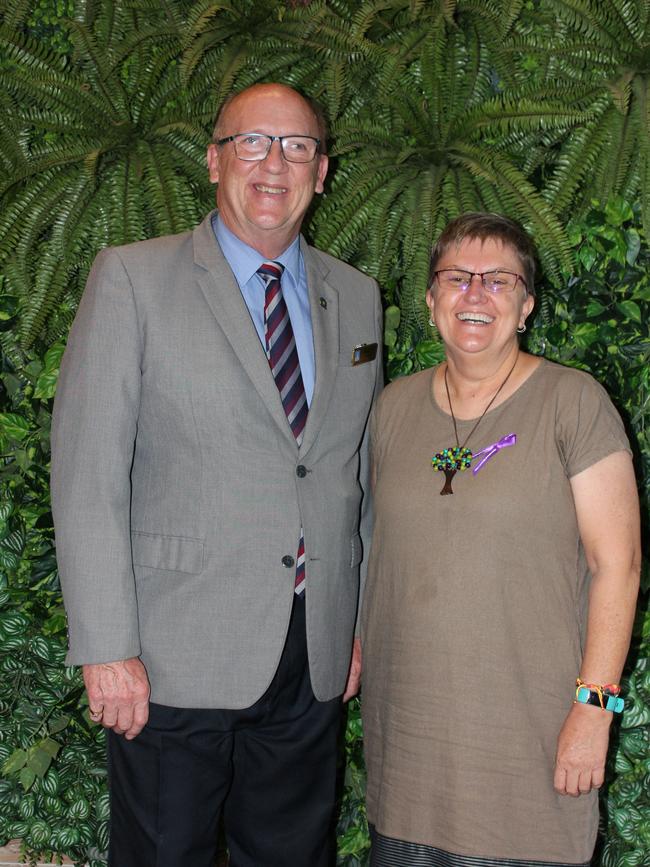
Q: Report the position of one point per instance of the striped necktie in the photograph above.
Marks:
(285, 367)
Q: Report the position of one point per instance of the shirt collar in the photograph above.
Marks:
(244, 260)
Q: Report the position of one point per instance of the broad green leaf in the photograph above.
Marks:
(24, 458)
(14, 623)
(46, 382)
(102, 807)
(27, 777)
(50, 747)
(352, 842)
(6, 509)
(51, 781)
(618, 212)
(631, 310)
(14, 426)
(39, 761)
(633, 246)
(40, 647)
(390, 338)
(79, 809)
(15, 542)
(429, 352)
(587, 257)
(636, 858)
(18, 830)
(8, 560)
(102, 835)
(15, 762)
(39, 833)
(595, 308)
(392, 318)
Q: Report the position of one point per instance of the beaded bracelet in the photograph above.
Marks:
(607, 695)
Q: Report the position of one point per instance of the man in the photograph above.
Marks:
(209, 473)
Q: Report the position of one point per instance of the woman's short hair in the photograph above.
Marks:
(486, 226)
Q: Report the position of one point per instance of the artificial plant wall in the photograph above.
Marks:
(536, 109)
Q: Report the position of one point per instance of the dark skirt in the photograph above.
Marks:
(387, 852)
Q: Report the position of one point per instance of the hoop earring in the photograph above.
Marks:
(522, 329)
(432, 324)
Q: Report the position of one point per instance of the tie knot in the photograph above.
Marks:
(270, 271)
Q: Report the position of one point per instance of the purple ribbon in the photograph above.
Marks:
(491, 450)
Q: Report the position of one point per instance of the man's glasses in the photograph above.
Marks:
(495, 282)
(251, 146)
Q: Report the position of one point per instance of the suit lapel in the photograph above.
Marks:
(229, 308)
(324, 307)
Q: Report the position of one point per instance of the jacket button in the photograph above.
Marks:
(301, 471)
(288, 561)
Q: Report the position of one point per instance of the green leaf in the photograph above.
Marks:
(51, 782)
(79, 809)
(618, 212)
(68, 836)
(39, 761)
(390, 338)
(353, 842)
(102, 835)
(587, 257)
(631, 310)
(636, 858)
(102, 807)
(595, 308)
(633, 246)
(15, 542)
(27, 777)
(46, 382)
(15, 762)
(50, 747)
(392, 318)
(14, 426)
(8, 560)
(56, 623)
(39, 833)
(429, 352)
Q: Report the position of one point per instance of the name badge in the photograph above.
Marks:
(363, 353)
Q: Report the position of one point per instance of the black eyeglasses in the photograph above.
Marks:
(253, 146)
(456, 280)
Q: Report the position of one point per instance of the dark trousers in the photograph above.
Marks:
(271, 770)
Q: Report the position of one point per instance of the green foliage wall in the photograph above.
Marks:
(535, 109)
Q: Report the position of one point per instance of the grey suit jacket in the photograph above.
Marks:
(175, 484)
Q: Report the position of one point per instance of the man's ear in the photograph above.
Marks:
(323, 163)
(213, 163)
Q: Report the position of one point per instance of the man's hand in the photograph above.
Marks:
(581, 750)
(354, 675)
(118, 695)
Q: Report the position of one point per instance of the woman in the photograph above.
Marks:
(504, 565)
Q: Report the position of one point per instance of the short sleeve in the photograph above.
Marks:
(589, 427)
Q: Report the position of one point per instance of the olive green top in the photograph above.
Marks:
(474, 618)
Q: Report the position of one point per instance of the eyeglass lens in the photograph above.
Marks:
(295, 148)
(493, 281)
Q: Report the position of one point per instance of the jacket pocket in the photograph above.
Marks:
(170, 553)
(357, 551)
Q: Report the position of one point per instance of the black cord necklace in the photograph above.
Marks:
(458, 458)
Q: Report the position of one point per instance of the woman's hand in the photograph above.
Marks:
(581, 750)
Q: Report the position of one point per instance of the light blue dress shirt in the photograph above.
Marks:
(244, 262)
